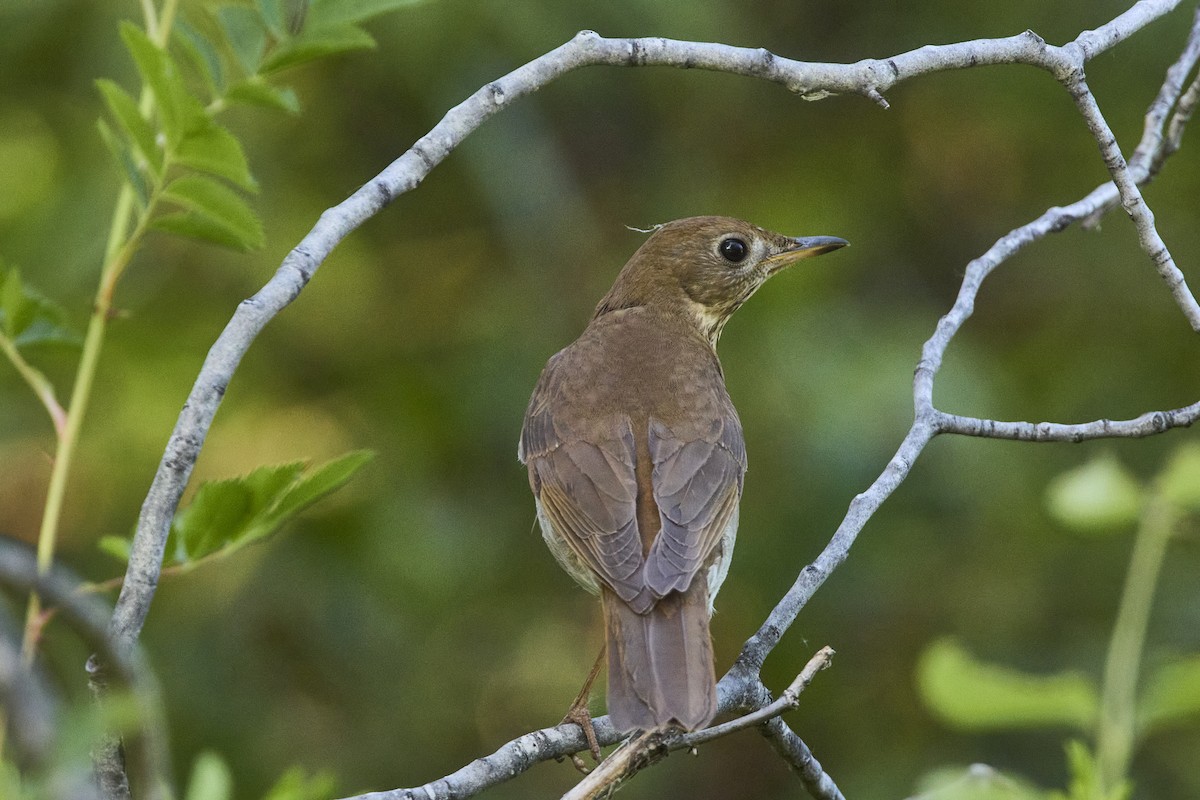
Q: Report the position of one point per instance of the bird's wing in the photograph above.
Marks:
(588, 493)
(697, 485)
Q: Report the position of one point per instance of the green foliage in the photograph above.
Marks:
(1099, 497)
(976, 782)
(1171, 695)
(210, 780)
(226, 515)
(211, 212)
(975, 695)
(297, 785)
(228, 54)
(1085, 781)
(1179, 483)
(29, 318)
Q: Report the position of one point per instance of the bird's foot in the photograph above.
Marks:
(579, 714)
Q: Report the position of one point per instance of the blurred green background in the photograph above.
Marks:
(414, 621)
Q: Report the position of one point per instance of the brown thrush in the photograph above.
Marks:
(636, 457)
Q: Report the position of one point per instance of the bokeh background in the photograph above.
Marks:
(414, 621)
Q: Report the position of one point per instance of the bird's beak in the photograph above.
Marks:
(803, 247)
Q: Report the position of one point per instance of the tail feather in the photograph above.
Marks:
(660, 664)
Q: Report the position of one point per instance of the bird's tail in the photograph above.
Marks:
(660, 663)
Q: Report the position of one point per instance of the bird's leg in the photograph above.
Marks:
(579, 714)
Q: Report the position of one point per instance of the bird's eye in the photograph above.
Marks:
(733, 249)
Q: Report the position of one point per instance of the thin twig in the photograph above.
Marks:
(646, 748)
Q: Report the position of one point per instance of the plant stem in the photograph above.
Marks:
(118, 251)
(1118, 702)
(38, 383)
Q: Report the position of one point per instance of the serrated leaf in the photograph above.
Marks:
(256, 92)
(246, 35)
(1172, 694)
(27, 317)
(198, 226)
(202, 56)
(317, 43)
(211, 148)
(122, 156)
(975, 695)
(177, 109)
(210, 780)
(217, 515)
(1179, 482)
(1099, 497)
(228, 514)
(215, 213)
(338, 12)
(125, 111)
(323, 480)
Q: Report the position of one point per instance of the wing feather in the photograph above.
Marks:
(697, 486)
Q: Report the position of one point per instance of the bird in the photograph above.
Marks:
(636, 459)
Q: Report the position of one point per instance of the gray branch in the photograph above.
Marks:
(89, 618)
(740, 688)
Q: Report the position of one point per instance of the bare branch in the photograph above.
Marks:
(737, 692)
(800, 759)
(1131, 196)
(89, 617)
(1148, 424)
(647, 748)
(787, 701)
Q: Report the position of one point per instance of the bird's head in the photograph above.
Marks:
(706, 267)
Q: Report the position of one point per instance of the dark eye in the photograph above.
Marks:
(733, 249)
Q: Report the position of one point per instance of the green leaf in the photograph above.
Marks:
(217, 515)
(326, 478)
(976, 782)
(256, 92)
(123, 158)
(1098, 497)
(116, 546)
(244, 30)
(338, 12)
(271, 12)
(294, 785)
(213, 212)
(17, 313)
(1172, 695)
(27, 317)
(317, 43)
(125, 111)
(974, 695)
(177, 109)
(1085, 782)
(229, 514)
(211, 148)
(211, 779)
(1179, 482)
(201, 55)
